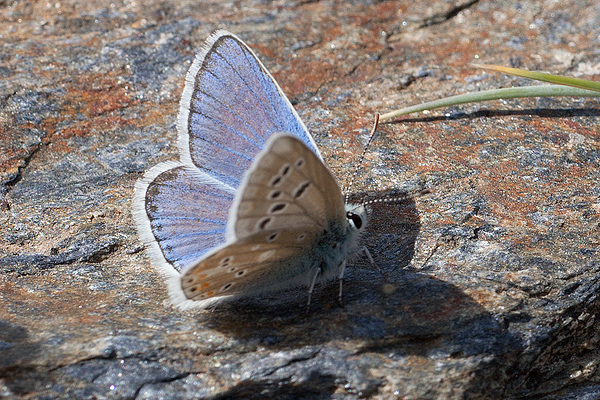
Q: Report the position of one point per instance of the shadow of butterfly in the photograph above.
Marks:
(250, 207)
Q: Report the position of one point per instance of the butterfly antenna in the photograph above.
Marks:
(362, 156)
(396, 199)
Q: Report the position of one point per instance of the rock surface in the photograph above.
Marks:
(491, 282)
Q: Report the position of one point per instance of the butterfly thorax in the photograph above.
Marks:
(341, 242)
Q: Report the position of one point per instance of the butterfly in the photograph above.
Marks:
(250, 207)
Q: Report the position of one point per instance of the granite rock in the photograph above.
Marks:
(488, 286)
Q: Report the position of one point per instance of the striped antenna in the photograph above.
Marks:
(408, 196)
(397, 199)
(362, 157)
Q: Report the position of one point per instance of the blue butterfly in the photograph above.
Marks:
(250, 207)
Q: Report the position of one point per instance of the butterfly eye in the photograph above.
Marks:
(355, 218)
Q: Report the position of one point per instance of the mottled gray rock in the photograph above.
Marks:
(488, 285)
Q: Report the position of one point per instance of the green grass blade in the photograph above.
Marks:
(494, 94)
(563, 86)
(543, 76)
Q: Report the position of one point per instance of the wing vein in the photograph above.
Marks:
(249, 87)
(233, 112)
(192, 234)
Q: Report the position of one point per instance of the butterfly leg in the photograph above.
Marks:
(342, 269)
(387, 287)
(312, 287)
(367, 253)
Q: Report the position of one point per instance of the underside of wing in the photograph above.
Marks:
(263, 262)
(287, 187)
(229, 108)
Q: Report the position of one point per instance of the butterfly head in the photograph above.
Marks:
(356, 216)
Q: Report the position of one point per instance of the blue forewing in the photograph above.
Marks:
(229, 107)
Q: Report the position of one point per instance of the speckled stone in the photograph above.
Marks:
(489, 284)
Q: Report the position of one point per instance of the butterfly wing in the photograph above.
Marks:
(287, 187)
(255, 264)
(286, 208)
(230, 106)
(180, 215)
